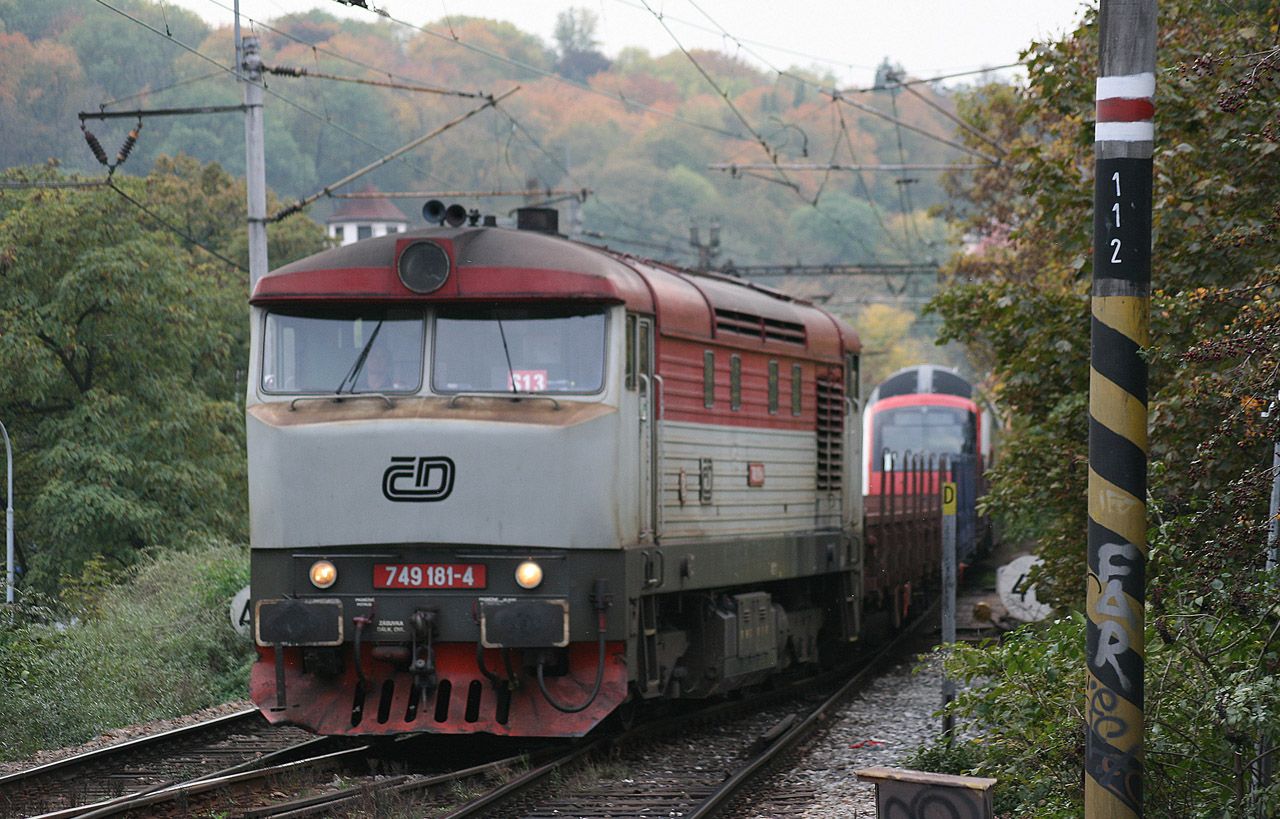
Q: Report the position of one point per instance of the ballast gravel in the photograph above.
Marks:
(881, 726)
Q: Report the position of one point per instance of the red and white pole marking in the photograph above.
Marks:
(1125, 108)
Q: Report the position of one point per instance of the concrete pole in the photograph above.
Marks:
(1121, 307)
(8, 518)
(255, 165)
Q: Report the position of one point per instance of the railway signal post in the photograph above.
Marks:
(1118, 409)
(948, 597)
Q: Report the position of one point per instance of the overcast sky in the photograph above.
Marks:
(847, 37)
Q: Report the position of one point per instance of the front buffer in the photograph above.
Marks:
(464, 699)
(318, 668)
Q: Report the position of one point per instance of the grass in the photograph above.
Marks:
(157, 644)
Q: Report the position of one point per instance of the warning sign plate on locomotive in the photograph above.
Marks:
(429, 576)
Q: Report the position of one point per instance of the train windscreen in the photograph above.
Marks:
(518, 349)
(925, 429)
(349, 350)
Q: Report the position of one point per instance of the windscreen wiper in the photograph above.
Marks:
(511, 373)
(354, 372)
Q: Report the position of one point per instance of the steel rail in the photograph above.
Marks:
(787, 739)
(128, 746)
(201, 785)
(323, 803)
(479, 805)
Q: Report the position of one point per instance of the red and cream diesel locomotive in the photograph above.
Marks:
(503, 482)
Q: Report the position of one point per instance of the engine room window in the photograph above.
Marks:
(708, 379)
(797, 375)
(735, 382)
(773, 388)
(518, 349)
(343, 351)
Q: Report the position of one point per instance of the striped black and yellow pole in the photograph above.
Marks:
(1118, 409)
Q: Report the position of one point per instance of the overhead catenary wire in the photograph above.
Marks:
(618, 98)
(172, 228)
(831, 166)
(834, 93)
(904, 183)
(151, 91)
(862, 182)
(719, 30)
(297, 106)
(839, 97)
(51, 184)
(999, 149)
(937, 78)
(524, 130)
(294, 71)
(316, 48)
(769, 150)
(351, 177)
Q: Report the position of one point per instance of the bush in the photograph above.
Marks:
(156, 645)
(1019, 720)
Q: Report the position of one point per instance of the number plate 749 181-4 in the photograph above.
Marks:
(429, 576)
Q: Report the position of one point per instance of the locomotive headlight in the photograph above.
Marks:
(529, 575)
(323, 574)
(424, 266)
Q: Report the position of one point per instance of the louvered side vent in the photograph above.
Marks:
(830, 434)
(746, 324)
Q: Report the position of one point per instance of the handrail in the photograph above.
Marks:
(647, 390)
(510, 396)
(338, 399)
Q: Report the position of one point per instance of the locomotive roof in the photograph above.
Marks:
(500, 264)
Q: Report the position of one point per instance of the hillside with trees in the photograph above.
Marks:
(637, 130)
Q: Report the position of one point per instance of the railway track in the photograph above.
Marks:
(689, 763)
(222, 745)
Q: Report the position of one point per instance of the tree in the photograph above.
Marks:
(1020, 297)
(121, 362)
(41, 88)
(576, 36)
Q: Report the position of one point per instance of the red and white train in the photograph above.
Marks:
(503, 482)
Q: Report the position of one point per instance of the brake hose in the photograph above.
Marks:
(600, 600)
(595, 689)
(360, 622)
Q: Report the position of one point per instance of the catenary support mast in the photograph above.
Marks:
(1118, 409)
(249, 64)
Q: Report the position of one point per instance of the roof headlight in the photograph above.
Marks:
(529, 575)
(423, 267)
(323, 574)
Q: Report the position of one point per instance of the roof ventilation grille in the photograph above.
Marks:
(765, 329)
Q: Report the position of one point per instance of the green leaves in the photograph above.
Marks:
(1019, 301)
(119, 355)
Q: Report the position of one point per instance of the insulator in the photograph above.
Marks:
(94, 145)
(129, 142)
